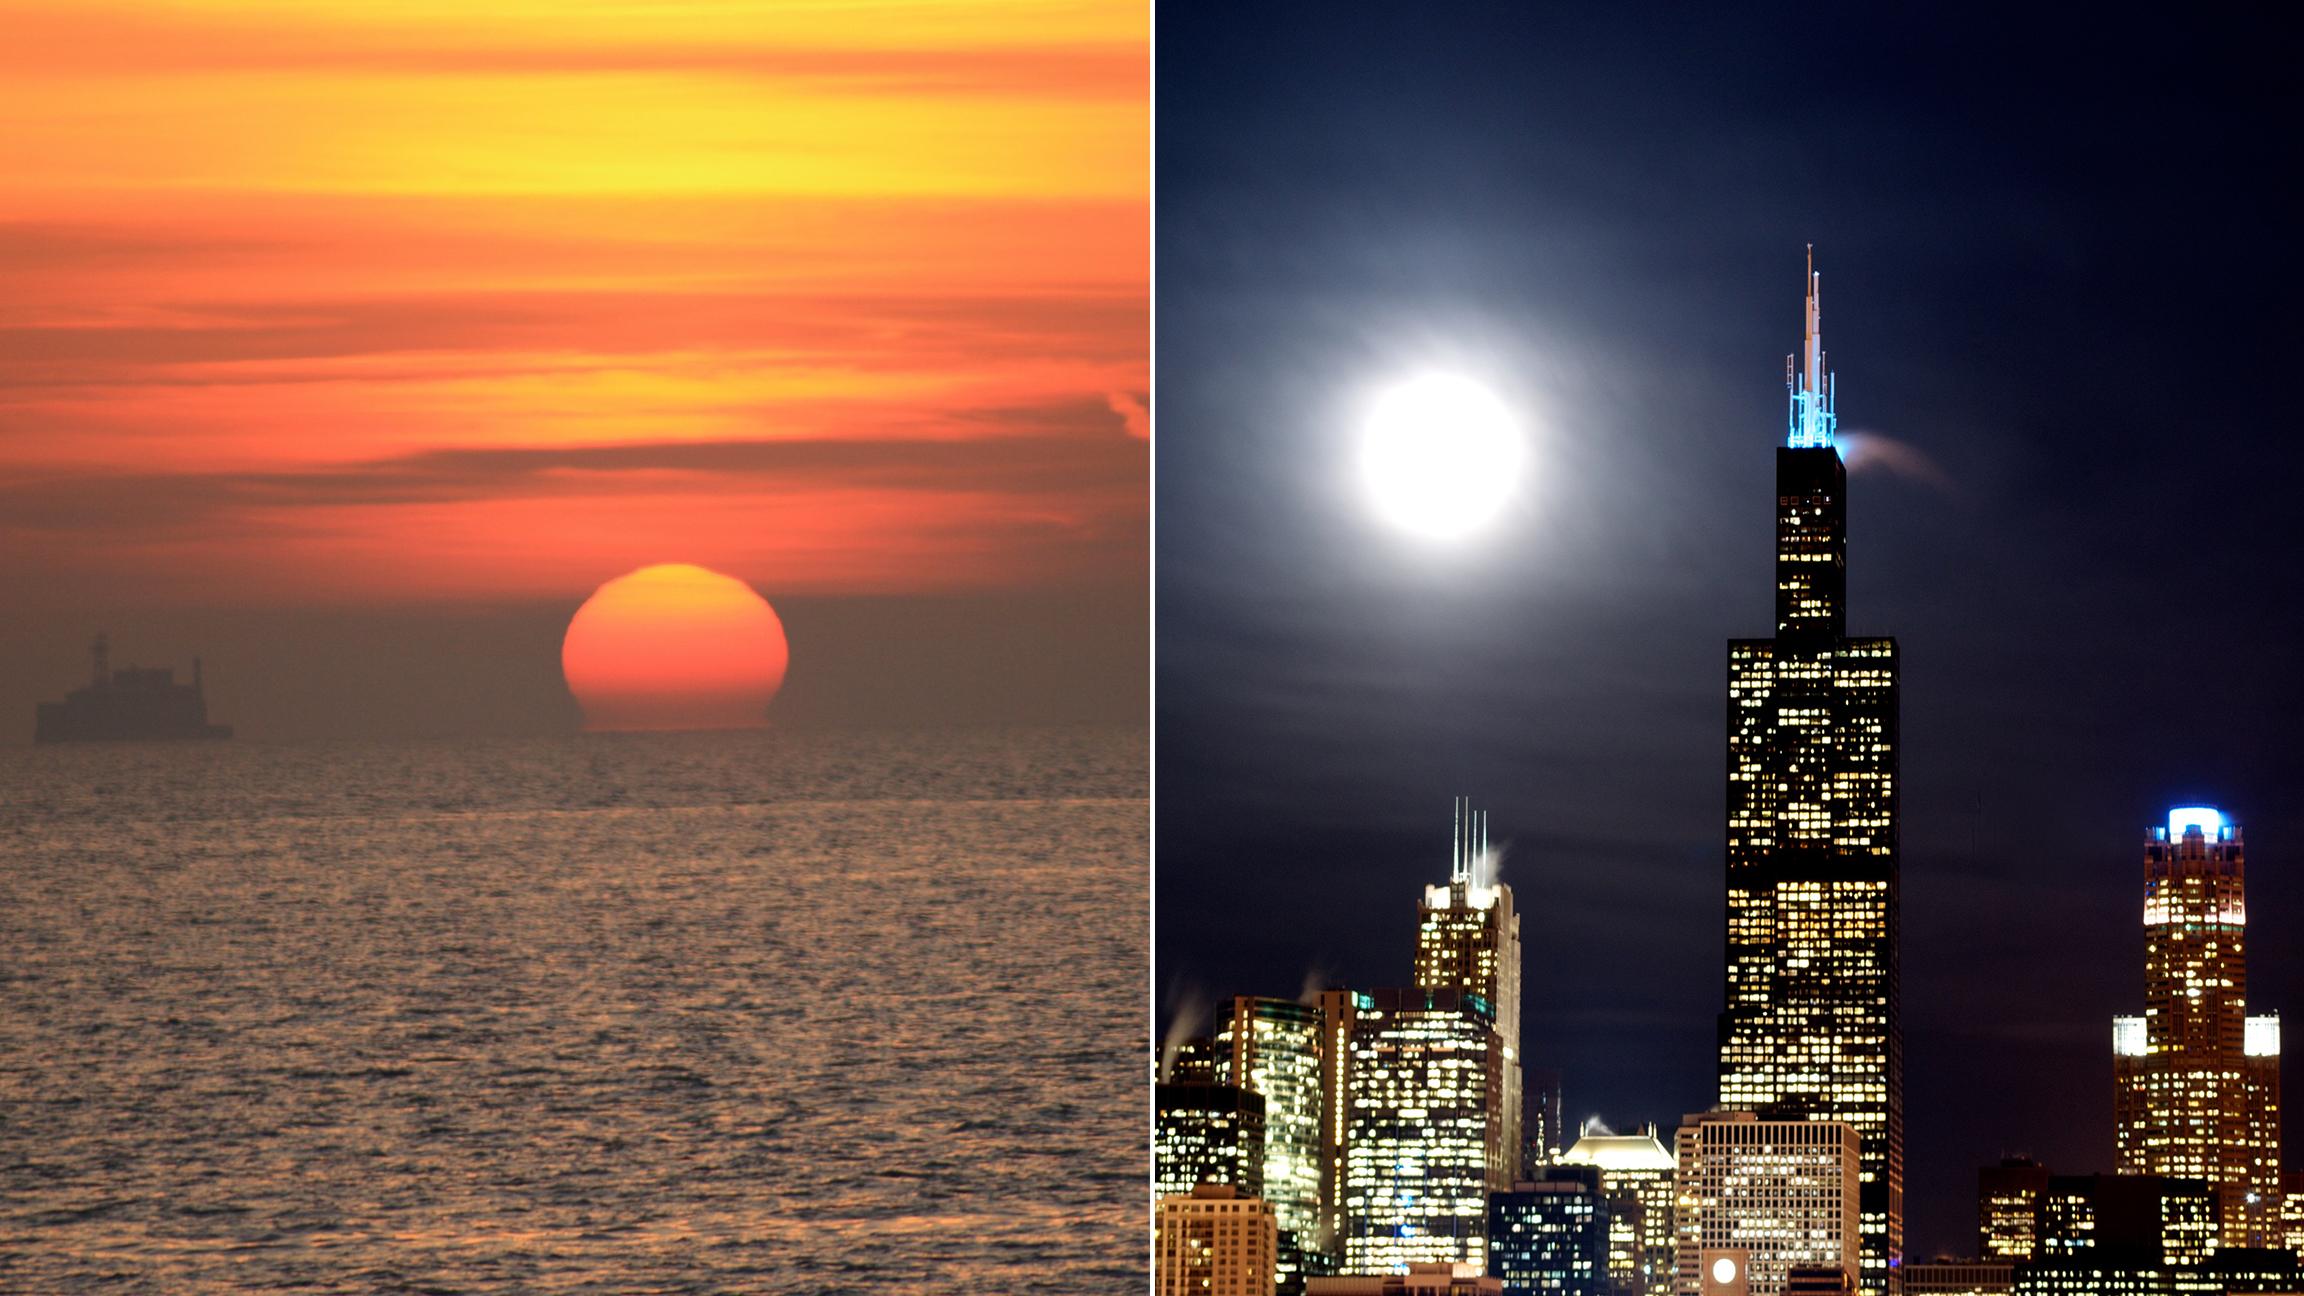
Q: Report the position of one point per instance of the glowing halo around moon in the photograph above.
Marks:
(674, 646)
(1440, 455)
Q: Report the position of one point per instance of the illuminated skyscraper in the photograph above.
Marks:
(1212, 1241)
(1272, 1046)
(1468, 938)
(1206, 1133)
(1421, 1149)
(2008, 1208)
(1810, 1030)
(1758, 1198)
(2198, 1080)
(1419, 1088)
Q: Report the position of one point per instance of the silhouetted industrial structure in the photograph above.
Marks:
(131, 702)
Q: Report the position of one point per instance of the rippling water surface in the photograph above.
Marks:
(679, 1013)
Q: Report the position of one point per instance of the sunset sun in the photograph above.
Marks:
(674, 646)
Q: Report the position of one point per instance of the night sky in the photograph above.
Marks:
(2060, 289)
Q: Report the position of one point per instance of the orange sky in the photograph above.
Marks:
(326, 303)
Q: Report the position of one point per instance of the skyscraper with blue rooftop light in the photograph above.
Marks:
(1810, 1028)
(2197, 1078)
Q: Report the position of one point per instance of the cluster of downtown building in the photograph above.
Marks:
(1391, 1141)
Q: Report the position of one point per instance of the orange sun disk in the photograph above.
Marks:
(674, 646)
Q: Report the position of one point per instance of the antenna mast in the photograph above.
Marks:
(1458, 842)
(1813, 421)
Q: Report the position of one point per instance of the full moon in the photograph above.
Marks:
(674, 646)
(1440, 455)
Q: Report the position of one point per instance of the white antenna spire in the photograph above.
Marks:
(1456, 841)
(1813, 420)
(1813, 343)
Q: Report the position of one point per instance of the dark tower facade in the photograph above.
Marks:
(1810, 1027)
(1207, 1133)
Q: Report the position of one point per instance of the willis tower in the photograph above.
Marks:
(1810, 1027)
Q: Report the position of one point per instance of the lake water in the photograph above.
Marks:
(618, 1013)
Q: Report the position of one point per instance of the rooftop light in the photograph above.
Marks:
(2208, 819)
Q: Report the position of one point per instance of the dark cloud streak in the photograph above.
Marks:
(634, 322)
(1064, 466)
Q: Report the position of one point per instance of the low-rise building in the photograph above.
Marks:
(1549, 1234)
(1420, 1280)
(1213, 1241)
(1960, 1278)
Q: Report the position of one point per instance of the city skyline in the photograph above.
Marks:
(2023, 322)
(2242, 1113)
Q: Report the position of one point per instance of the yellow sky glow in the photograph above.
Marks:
(256, 238)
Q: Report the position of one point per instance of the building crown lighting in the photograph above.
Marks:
(2262, 1036)
(2208, 819)
(2128, 1037)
